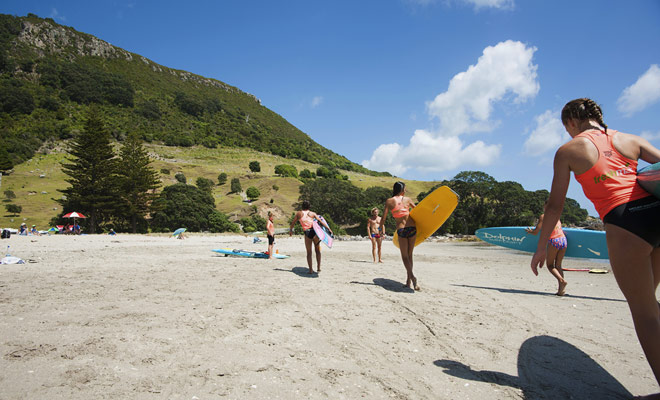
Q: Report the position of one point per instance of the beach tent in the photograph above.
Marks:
(178, 232)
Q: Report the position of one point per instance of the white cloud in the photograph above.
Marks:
(503, 4)
(650, 136)
(642, 93)
(56, 15)
(478, 4)
(503, 73)
(316, 101)
(548, 135)
(504, 69)
(429, 153)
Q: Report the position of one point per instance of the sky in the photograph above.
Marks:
(423, 89)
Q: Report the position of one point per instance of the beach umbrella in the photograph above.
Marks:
(178, 231)
(73, 214)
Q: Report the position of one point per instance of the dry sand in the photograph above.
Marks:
(148, 317)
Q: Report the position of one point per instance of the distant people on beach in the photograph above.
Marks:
(112, 232)
(400, 205)
(306, 218)
(34, 231)
(23, 230)
(556, 249)
(604, 162)
(374, 234)
(270, 234)
(76, 229)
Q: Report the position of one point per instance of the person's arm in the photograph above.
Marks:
(381, 227)
(647, 151)
(295, 219)
(560, 181)
(537, 227)
(368, 227)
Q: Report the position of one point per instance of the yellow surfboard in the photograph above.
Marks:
(431, 213)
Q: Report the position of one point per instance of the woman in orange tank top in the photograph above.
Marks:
(604, 162)
(556, 248)
(399, 205)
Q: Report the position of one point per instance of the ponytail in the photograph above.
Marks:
(583, 109)
(398, 188)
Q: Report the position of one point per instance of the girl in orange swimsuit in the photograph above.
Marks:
(400, 206)
(604, 162)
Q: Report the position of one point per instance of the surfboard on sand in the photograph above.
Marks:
(322, 232)
(649, 178)
(582, 243)
(431, 213)
(246, 253)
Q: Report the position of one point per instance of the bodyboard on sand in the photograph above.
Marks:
(649, 178)
(431, 213)
(589, 270)
(322, 232)
(582, 243)
(246, 253)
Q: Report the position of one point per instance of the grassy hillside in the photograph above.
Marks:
(50, 75)
(35, 182)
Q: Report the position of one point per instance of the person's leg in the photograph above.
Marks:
(403, 248)
(373, 247)
(308, 247)
(270, 250)
(379, 241)
(552, 253)
(317, 249)
(634, 263)
(411, 247)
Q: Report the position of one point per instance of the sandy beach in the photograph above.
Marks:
(151, 317)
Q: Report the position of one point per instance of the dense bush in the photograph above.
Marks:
(285, 170)
(185, 206)
(252, 193)
(236, 185)
(255, 166)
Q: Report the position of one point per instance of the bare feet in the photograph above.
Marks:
(318, 270)
(562, 288)
(415, 284)
(380, 261)
(311, 271)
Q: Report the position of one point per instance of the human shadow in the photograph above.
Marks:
(300, 271)
(519, 291)
(388, 284)
(548, 368)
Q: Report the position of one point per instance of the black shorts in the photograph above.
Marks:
(641, 217)
(310, 233)
(271, 239)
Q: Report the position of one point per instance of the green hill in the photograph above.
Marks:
(50, 74)
(35, 182)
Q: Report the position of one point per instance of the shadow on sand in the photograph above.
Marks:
(548, 368)
(518, 291)
(388, 284)
(300, 271)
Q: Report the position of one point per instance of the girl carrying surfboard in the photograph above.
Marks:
(400, 205)
(306, 218)
(605, 164)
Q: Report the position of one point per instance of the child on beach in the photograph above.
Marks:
(556, 248)
(23, 230)
(373, 232)
(400, 206)
(270, 234)
(604, 162)
(306, 218)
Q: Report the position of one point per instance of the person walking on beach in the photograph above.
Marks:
(270, 234)
(306, 218)
(373, 231)
(399, 205)
(604, 162)
(556, 249)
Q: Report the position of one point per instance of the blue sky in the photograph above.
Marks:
(420, 88)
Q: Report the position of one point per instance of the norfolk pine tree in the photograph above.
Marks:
(138, 181)
(92, 171)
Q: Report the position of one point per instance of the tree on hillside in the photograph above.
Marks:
(92, 170)
(180, 177)
(252, 193)
(138, 182)
(222, 179)
(187, 206)
(236, 185)
(337, 198)
(255, 166)
(204, 184)
(285, 170)
(13, 209)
